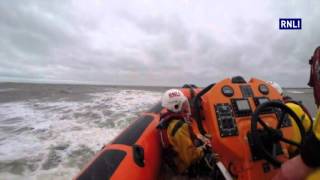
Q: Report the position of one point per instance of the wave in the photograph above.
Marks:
(55, 139)
(296, 92)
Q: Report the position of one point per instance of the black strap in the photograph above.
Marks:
(163, 124)
(197, 108)
(176, 127)
(192, 92)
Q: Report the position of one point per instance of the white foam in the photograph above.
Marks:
(77, 124)
(19, 147)
(7, 89)
(295, 92)
(6, 176)
(61, 172)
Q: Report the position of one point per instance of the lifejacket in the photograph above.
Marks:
(167, 149)
(307, 125)
(316, 128)
(165, 120)
(301, 111)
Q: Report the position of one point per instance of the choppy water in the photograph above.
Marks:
(52, 134)
(51, 131)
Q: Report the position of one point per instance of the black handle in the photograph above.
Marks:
(138, 155)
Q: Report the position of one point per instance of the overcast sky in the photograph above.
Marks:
(155, 42)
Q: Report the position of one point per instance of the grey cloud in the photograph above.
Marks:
(170, 28)
(54, 41)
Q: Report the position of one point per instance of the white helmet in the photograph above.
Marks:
(276, 86)
(173, 100)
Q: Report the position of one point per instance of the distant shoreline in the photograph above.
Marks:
(109, 85)
(80, 84)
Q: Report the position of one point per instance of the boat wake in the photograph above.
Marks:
(54, 139)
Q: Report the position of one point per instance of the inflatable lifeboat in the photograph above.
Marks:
(247, 121)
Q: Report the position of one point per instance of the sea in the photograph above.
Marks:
(50, 131)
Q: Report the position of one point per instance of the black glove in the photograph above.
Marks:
(207, 149)
(209, 160)
(310, 150)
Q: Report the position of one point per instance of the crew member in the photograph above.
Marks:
(300, 111)
(178, 140)
(314, 80)
(307, 164)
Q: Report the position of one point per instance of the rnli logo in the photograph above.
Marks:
(174, 94)
(290, 23)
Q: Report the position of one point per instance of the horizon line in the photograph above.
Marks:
(120, 85)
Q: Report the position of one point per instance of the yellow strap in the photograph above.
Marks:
(316, 127)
